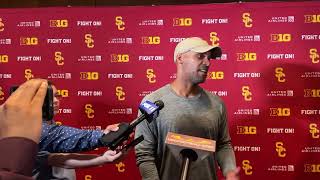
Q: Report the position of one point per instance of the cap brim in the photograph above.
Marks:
(215, 50)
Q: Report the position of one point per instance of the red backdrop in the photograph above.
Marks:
(104, 60)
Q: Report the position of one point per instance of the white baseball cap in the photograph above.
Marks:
(196, 44)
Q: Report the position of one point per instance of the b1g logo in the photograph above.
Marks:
(58, 58)
(60, 23)
(182, 21)
(87, 177)
(1, 25)
(28, 41)
(88, 39)
(246, 130)
(280, 75)
(121, 167)
(28, 74)
(314, 130)
(314, 56)
(247, 167)
(314, 18)
(63, 92)
(214, 39)
(120, 93)
(280, 37)
(312, 168)
(280, 149)
(246, 93)
(151, 76)
(247, 56)
(311, 92)
(1, 94)
(89, 111)
(119, 23)
(4, 58)
(89, 75)
(279, 111)
(120, 58)
(247, 20)
(150, 40)
(217, 75)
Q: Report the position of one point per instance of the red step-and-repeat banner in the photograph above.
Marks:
(105, 60)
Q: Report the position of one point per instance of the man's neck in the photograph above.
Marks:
(184, 89)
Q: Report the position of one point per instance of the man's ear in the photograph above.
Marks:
(179, 59)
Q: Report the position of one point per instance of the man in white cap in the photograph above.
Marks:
(188, 110)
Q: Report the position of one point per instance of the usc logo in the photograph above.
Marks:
(58, 58)
(246, 93)
(120, 23)
(60, 23)
(246, 130)
(314, 56)
(87, 177)
(280, 75)
(120, 93)
(4, 58)
(246, 56)
(214, 38)
(121, 58)
(89, 75)
(1, 94)
(315, 18)
(182, 21)
(28, 41)
(280, 149)
(215, 75)
(247, 167)
(89, 40)
(247, 20)
(279, 111)
(150, 40)
(1, 25)
(120, 167)
(89, 111)
(280, 37)
(28, 74)
(314, 131)
(151, 76)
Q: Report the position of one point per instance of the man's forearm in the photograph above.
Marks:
(148, 171)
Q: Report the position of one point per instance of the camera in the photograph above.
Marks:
(47, 107)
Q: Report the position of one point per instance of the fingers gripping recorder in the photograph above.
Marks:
(149, 110)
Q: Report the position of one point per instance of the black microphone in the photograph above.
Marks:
(149, 110)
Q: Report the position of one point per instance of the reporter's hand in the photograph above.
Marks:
(112, 156)
(233, 175)
(21, 114)
(112, 127)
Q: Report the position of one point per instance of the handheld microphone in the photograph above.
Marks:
(149, 110)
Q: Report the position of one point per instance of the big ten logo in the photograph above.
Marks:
(314, 130)
(247, 56)
(312, 168)
(88, 39)
(60, 23)
(120, 93)
(151, 75)
(280, 37)
(246, 130)
(1, 25)
(120, 167)
(89, 111)
(247, 167)
(63, 93)
(121, 58)
(28, 41)
(311, 92)
(246, 19)
(314, 56)
(246, 93)
(150, 40)
(279, 74)
(89, 75)
(280, 149)
(1, 94)
(28, 74)
(279, 111)
(214, 38)
(87, 177)
(120, 23)
(182, 21)
(59, 58)
(314, 18)
(4, 58)
(217, 75)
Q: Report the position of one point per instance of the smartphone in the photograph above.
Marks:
(47, 107)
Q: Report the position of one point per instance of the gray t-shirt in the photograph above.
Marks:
(202, 116)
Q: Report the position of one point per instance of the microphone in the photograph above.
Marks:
(190, 148)
(149, 110)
